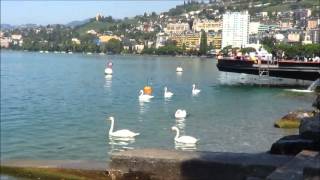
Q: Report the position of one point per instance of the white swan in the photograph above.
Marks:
(167, 94)
(123, 133)
(144, 97)
(194, 90)
(179, 69)
(180, 114)
(183, 139)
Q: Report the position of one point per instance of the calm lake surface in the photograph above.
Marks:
(55, 106)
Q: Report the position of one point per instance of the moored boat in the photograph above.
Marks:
(284, 68)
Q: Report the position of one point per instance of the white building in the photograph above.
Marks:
(161, 39)
(17, 39)
(138, 48)
(76, 40)
(176, 28)
(235, 29)
(91, 31)
(254, 27)
(206, 25)
(5, 42)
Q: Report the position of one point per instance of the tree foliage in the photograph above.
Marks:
(203, 43)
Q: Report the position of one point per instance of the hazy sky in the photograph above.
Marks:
(17, 12)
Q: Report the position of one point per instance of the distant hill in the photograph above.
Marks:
(77, 23)
(6, 27)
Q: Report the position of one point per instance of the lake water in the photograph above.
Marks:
(55, 106)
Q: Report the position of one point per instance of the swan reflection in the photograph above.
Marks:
(180, 123)
(185, 147)
(120, 144)
(143, 106)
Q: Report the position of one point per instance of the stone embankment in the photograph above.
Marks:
(170, 164)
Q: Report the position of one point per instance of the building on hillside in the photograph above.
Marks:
(285, 25)
(98, 17)
(267, 27)
(215, 40)
(294, 37)
(76, 41)
(176, 28)
(264, 14)
(206, 25)
(148, 44)
(314, 35)
(235, 29)
(16, 39)
(307, 39)
(126, 48)
(107, 38)
(91, 31)
(312, 24)
(254, 27)
(138, 48)
(5, 42)
(161, 39)
(147, 27)
(189, 40)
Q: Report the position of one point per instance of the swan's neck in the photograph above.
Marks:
(193, 88)
(141, 93)
(177, 134)
(111, 127)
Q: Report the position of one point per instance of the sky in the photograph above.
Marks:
(17, 12)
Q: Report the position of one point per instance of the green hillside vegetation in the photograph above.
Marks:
(285, 7)
(95, 25)
(116, 26)
(270, 5)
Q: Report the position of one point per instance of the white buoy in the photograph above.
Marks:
(108, 71)
(179, 69)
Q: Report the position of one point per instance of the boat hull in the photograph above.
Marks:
(293, 70)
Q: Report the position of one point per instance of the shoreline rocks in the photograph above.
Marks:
(293, 119)
(308, 138)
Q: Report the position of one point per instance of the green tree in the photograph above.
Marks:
(268, 43)
(114, 46)
(203, 43)
(225, 51)
(210, 47)
(148, 51)
(247, 50)
(184, 47)
(169, 50)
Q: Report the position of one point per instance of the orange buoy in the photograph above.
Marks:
(147, 90)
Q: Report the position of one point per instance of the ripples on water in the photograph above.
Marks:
(55, 106)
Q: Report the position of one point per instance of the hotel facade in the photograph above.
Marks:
(235, 29)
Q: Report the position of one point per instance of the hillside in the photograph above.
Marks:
(107, 24)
